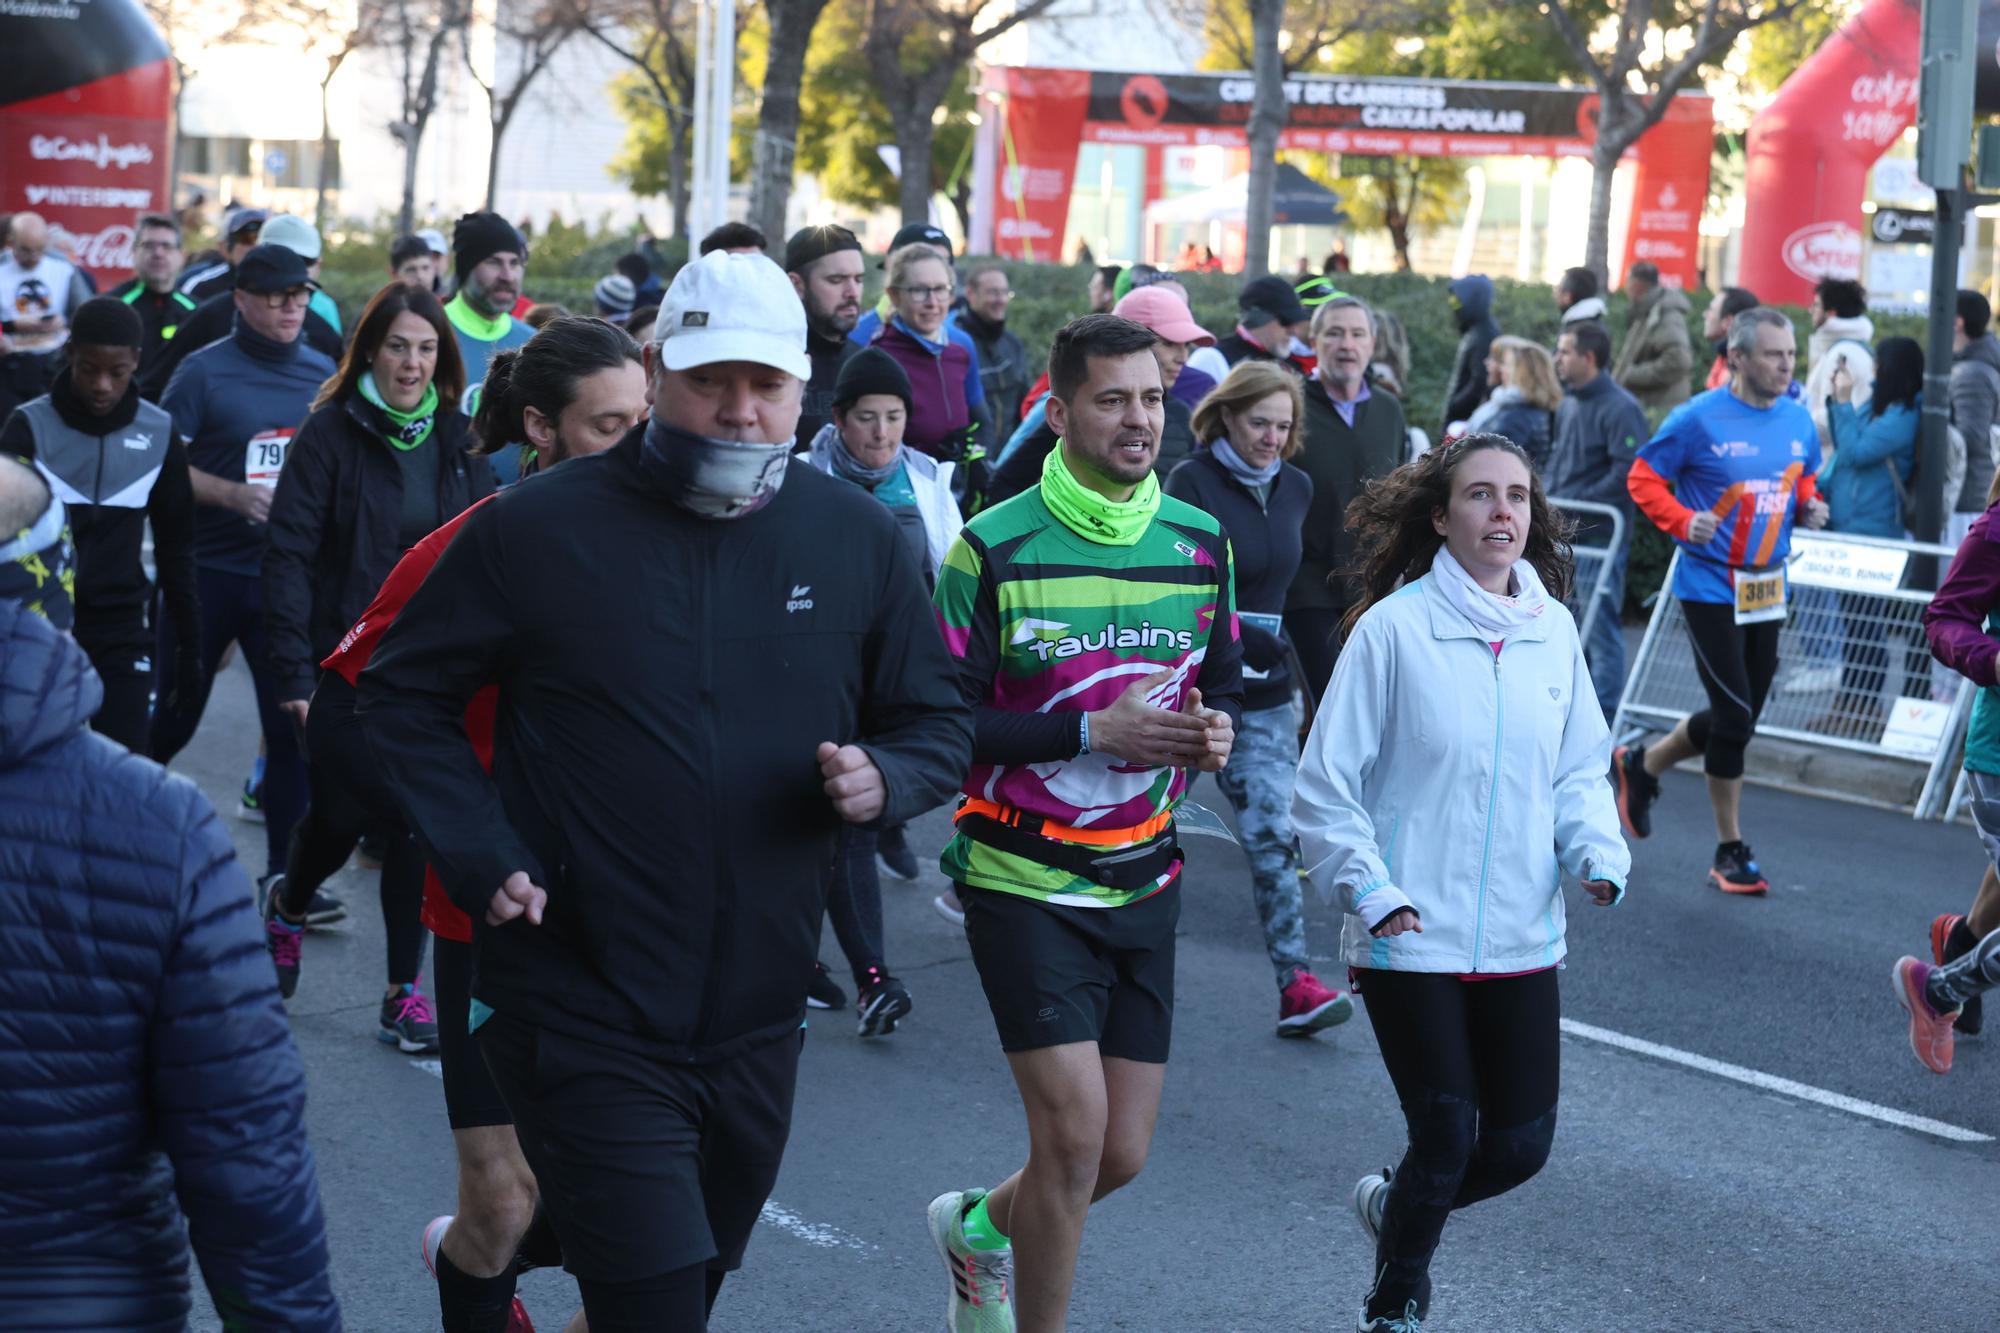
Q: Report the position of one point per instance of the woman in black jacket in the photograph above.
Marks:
(379, 464)
(1248, 426)
(1526, 394)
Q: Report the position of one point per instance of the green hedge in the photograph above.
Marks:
(567, 262)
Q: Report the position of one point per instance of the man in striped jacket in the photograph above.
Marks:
(1095, 631)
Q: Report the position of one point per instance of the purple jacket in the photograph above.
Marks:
(944, 383)
(1955, 621)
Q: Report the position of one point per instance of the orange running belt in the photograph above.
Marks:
(1093, 837)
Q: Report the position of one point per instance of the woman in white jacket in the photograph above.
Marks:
(1456, 769)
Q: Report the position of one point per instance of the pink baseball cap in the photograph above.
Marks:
(1165, 314)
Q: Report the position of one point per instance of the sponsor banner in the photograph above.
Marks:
(1049, 111)
(1827, 562)
(1414, 106)
(88, 164)
(1041, 125)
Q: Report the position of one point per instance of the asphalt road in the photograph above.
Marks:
(1677, 1198)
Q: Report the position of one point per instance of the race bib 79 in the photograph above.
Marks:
(264, 456)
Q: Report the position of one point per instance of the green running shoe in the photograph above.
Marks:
(982, 1298)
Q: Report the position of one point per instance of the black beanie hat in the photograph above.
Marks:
(480, 236)
(870, 370)
(106, 321)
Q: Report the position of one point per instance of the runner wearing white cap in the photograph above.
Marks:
(690, 687)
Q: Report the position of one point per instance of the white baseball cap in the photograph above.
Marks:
(294, 233)
(434, 238)
(726, 307)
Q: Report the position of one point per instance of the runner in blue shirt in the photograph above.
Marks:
(1741, 461)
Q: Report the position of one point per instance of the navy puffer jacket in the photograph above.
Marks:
(147, 1073)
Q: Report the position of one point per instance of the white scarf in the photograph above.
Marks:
(1494, 616)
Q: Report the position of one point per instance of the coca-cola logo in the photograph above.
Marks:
(107, 249)
(1824, 250)
(102, 154)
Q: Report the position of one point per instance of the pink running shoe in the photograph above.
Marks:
(517, 1315)
(1306, 1006)
(1930, 1031)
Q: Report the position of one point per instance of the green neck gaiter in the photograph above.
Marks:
(485, 328)
(411, 428)
(1092, 516)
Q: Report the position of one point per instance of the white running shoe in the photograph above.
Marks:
(982, 1298)
(1370, 1193)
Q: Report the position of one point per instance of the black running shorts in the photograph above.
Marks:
(1056, 974)
(470, 1099)
(644, 1166)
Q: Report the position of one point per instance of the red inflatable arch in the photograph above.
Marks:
(1811, 149)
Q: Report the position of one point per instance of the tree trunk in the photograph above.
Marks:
(417, 117)
(914, 133)
(679, 187)
(1619, 125)
(493, 164)
(325, 151)
(1267, 118)
(1597, 246)
(792, 24)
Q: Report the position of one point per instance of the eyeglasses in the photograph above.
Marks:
(927, 293)
(297, 296)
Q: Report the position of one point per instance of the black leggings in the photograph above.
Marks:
(1476, 1068)
(1736, 664)
(347, 801)
(854, 903)
(232, 609)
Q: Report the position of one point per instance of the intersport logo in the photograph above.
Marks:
(1824, 250)
(103, 154)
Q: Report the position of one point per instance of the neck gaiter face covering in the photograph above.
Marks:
(710, 477)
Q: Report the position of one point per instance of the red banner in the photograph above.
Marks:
(1669, 189)
(1041, 125)
(1047, 113)
(90, 159)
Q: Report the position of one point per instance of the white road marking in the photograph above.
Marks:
(1772, 1083)
(812, 1233)
(435, 1068)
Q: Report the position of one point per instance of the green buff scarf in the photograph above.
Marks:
(411, 428)
(1092, 516)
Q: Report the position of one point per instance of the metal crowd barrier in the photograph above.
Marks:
(1591, 562)
(1888, 699)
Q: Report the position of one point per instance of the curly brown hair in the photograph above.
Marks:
(1394, 542)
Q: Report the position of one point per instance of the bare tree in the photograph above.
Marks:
(652, 36)
(189, 25)
(332, 30)
(1640, 57)
(536, 34)
(1274, 54)
(915, 49)
(777, 144)
(420, 32)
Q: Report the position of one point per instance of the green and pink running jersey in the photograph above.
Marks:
(1045, 621)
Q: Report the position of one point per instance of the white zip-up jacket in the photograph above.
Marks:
(1447, 779)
